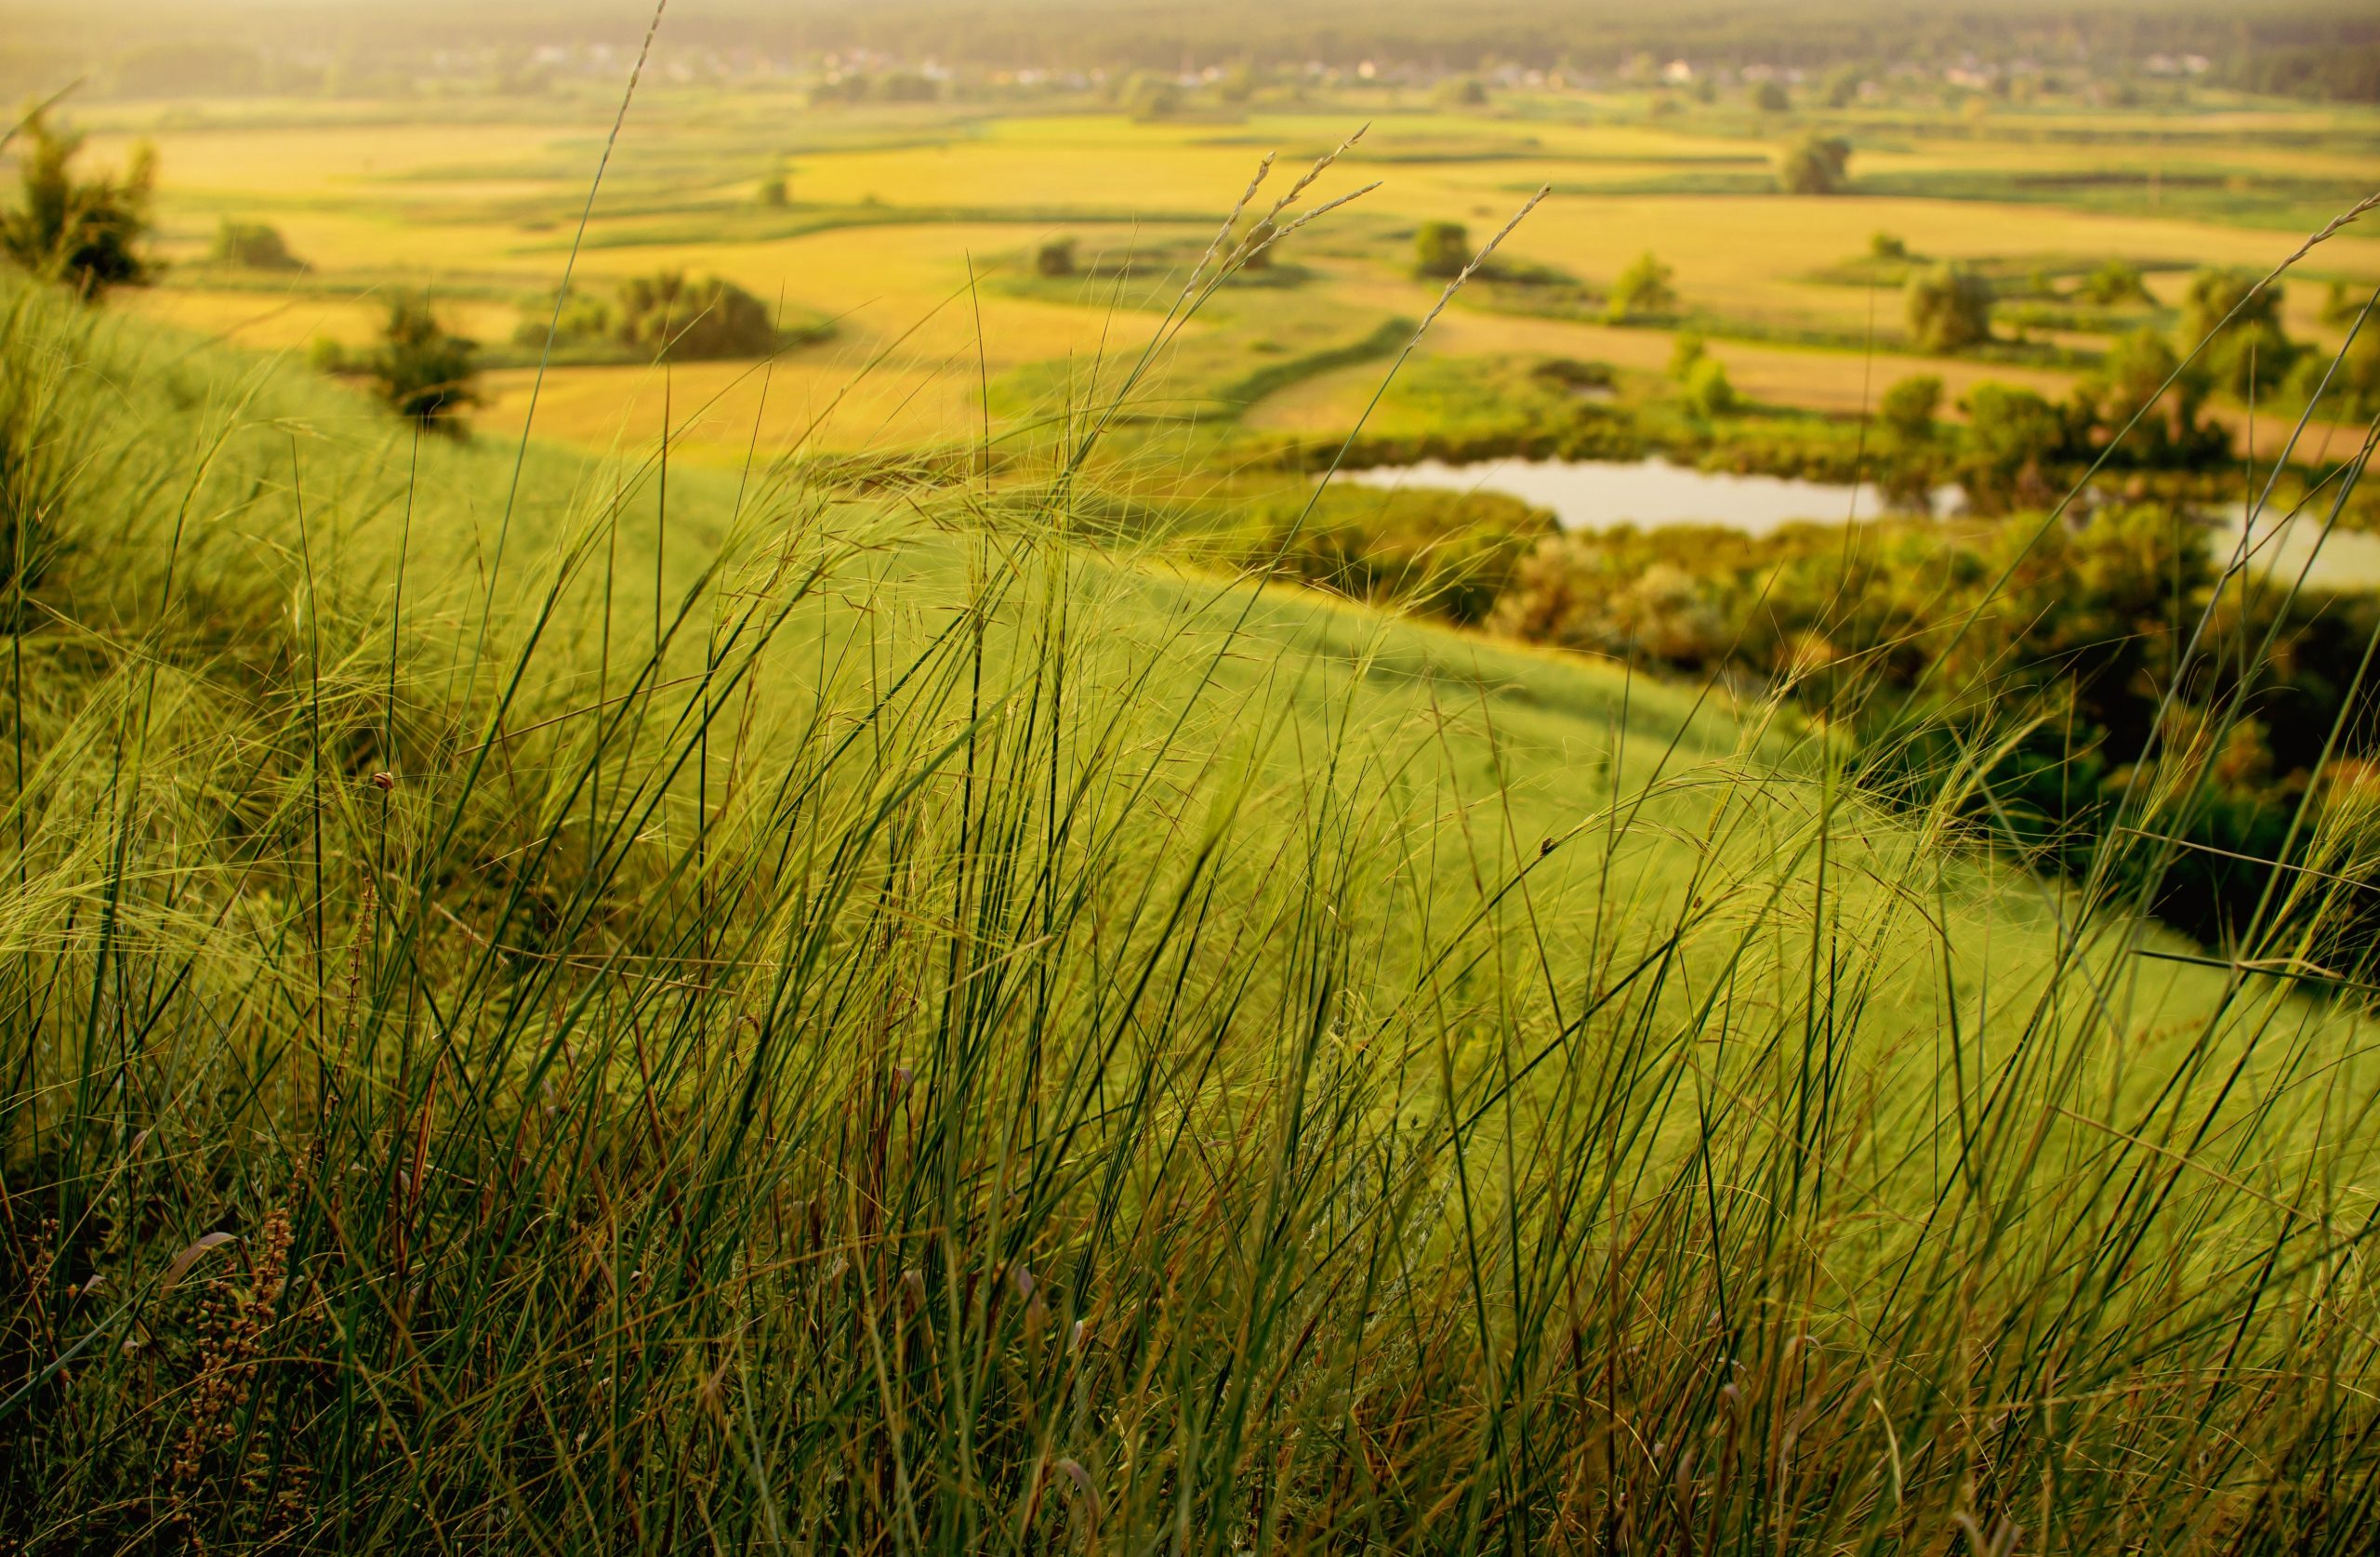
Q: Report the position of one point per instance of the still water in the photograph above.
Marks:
(1592, 494)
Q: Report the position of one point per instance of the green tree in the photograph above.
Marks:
(1253, 245)
(85, 234)
(1643, 288)
(2247, 351)
(1907, 411)
(1770, 97)
(1820, 165)
(1152, 97)
(2135, 373)
(2116, 280)
(1842, 86)
(2143, 376)
(1950, 309)
(1909, 453)
(1441, 249)
(1685, 352)
(774, 191)
(1708, 391)
(253, 245)
(1054, 259)
(704, 320)
(2357, 382)
(424, 372)
(2011, 438)
(1465, 91)
(1887, 247)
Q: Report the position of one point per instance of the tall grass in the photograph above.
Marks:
(779, 1019)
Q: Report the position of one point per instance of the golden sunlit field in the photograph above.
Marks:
(890, 211)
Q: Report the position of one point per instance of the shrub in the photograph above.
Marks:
(1253, 245)
(425, 372)
(2135, 373)
(1708, 391)
(1886, 246)
(775, 194)
(1643, 288)
(253, 245)
(1441, 249)
(662, 315)
(1055, 259)
(1463, 92)
(1950, 309)
(1820, 165)
(1685, 352)
(2357, 382)
(2116, 280)
(908, 86)
(2012, 437)
(1152, 97)
(1450, 554)
(1770, 97)
(84, 233)
(2247, 351)
(698, 321)
(2353, 389)
(1909, 458)
(2343, 304)
(1907, 409)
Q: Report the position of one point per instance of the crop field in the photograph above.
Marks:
(914, 229)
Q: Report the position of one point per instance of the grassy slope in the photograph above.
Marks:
(972, 1042)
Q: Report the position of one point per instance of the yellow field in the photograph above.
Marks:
(487, 211)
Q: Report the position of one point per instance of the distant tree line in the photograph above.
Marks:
(2324, 47)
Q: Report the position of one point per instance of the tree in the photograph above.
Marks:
(422, 371)
(1950, 309)
(1643, 288)
(1770, 97)
(1152, 97)
(85, 234)
(1708, 391)
(1820, 165)
(1252, 245)
(2219, 300)
(254, 245)
(2012, 436)
(1055, 259)
(2116, 280)
(1462, 92)
(774, 193)
(1842, 86)
(2135, 373)
(2142, 375)
(706, 320)
(2357, 382)
(1910, 457)
(1907, 409)
(1441, 249)
(2247, 351)
(1887, 246)
(1685, 352)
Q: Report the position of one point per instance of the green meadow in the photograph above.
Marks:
(870, 946)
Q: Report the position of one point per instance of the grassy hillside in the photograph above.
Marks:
(573, 1002)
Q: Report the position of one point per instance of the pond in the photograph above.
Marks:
(1593, 495)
